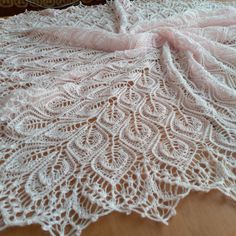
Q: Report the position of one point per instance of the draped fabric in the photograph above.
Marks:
(126, 107)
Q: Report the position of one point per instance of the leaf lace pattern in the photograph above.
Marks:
(126, 107)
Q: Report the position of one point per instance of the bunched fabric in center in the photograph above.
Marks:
(122, 107)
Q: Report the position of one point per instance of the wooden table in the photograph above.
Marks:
(199, 214)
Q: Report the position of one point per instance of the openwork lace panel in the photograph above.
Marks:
(122, 107)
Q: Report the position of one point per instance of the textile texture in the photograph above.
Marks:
(126, 107)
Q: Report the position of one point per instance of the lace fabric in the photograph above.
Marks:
(126, 107)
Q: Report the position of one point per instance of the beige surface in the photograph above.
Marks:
(200, 214)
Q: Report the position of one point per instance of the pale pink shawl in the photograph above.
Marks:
(124, 107)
